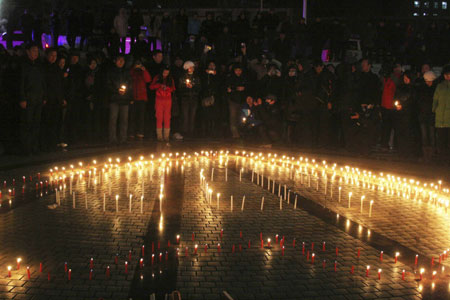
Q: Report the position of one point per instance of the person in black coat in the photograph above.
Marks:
(269, 113)
(75, 98)
(209, 99)
(189, 88)
(32, 95)
(120, 93)
(51, 111)
(236, 88)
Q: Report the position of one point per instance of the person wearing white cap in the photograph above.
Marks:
(424, 97)
(189, 89)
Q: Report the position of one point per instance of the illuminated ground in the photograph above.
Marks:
(402, 220)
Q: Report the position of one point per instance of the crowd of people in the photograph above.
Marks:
(261, 82)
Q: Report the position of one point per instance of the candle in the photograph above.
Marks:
(396, 256)
(282, 252)
(193, 236)
(143, 250)
(9, 271)
(141, 263)
(108, 271)
(422, 270)
(307, 255)
(335, 266)
(226, 174)
(295, 202)
(218, 248)
(142, 204)
(381, 256)
(195, 249)
(206, 248)
(231, 203)
(312, 246)
(276, 238)
(212, 174)
(340, 190)
(262, 203)
(240, 234)
(129, 255)
(221, 233)
(352, 270)
(281, 202)
(370, 208)
(91, 263)
(303, 248)
(367, 271)
(362, 203)
(433, 275)
(268, 242)
(48, 276)
(359, 253)
(73, 200)
(178, 238)
(232, 249)
(69, 275)
(262, 244)
(432, 261)
(323, 246)
(349, 199)
(243, 203)
(403, 275)
(337, 251)
(218, 200)
(117, 203)
(249, 244)
(18, 263)
(312, 258)
(416, 260)
(379, 274)
(126, 267)
(40, 267)
(129, 204)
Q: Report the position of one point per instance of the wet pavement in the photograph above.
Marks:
(320, 247)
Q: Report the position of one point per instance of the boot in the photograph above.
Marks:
(159, 134)
(166, 134)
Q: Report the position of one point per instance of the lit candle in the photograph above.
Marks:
(18, 263)
(117, 203)
(381, 256)
(143, 250)
(379, 274)
(312, 258)
(218, 200)
(218, 248)
(281, 202)
(370, 208)
(262, 203)
(69, 275)
(9, 271)
(367, 271)
(295, 202)
(126, 267)
(268, 242)
(403, 275)
(349, 199)
(231, 203)
(323, 246)
(416, 260)
(340, 190)
(129, 204)
(243, 203)
(422, 270)
(178, 238)
(396, 256)
(91, 263)
(141, 263)
(108, 271)
(195, 249)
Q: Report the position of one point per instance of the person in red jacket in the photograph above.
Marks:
(139, 79)
(164, 86)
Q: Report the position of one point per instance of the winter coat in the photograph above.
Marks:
(163, 91)
(389, 86)
(54, 79)
(139, 79)
(76, 84)
(186, 93)
(368, 88)
(424, 100)
(441, 104)
(232, 83)
(33, 88)
(115, 79)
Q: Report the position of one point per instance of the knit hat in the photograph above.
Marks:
(429, 76)
(188, 64)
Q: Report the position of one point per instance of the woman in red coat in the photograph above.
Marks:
(164, 86)
(139, 78)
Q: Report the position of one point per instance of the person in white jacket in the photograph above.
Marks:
(121, 27)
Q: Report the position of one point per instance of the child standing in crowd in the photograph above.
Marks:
(164, 86)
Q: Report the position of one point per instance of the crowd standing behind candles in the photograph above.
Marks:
(255, 79)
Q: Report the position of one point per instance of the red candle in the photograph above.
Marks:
(69, 276)
(416, 260)
(91, 264)
(432, 261)
(116, 259)
(323, 246)
(359, 253)
(221, 233)
(18, 263)
(126, 267)
(396, 256)
(312, 246)
(48, 276)
(276, 239)
(335, 266)
(433, 275)
(249, 244)
(403, 275)
(193, 236)
(141, 263)
(65, 267)
(186, 252)
(143, 250)
(37, 186)
(352, 270)
(293, 243)
(282, 251)
(160, 256)
(218, 247)
(90, 274)
(24, 179)
(28, 272)
(168, 244)
(129, 255)
(268, 243)
(153, 258)
(381, 256)
(303, 248)
(108, 272)
(178, 239)
(307, 255)
(367, 271)
(379, 274)
(167, 255)
(337, 251)
(195, 249)
(9, 271)
(40, 267)
(262, 244)
(206, 248)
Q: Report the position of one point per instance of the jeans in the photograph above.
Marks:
(118, 112)
(137, 118)
(235, 112)
(189, 110)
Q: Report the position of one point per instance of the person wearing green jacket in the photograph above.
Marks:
(441, 107)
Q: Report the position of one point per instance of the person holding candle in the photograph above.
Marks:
(237, 92)
(189, 87)
(140, 77)
(164, 86)
(120, 88)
